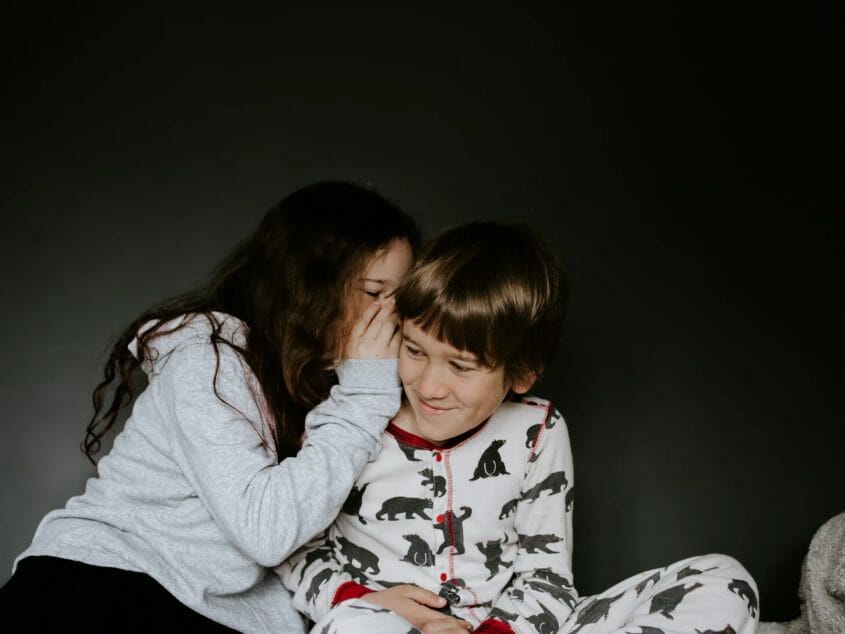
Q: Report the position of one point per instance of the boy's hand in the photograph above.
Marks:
(376, 333)
(415, 606)
(446, 625)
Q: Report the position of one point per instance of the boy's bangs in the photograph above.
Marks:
(464, 326)
(455, 300)
(496, 291)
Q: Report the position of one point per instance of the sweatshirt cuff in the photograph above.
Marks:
(378, 373)
(493, 626)
(350, 590)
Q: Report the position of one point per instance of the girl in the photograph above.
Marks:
(247, 438)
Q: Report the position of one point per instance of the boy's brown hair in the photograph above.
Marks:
(493, 289)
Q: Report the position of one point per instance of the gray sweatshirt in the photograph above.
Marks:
(191, 496)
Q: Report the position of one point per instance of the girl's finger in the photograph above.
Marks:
(366, 318)
(384, 316)
(383, 332)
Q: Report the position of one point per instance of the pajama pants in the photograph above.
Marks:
(713, 594)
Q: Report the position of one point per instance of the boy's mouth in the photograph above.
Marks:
(431, 409)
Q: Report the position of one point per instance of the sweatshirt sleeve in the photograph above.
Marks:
(541, 596)
(269, 509)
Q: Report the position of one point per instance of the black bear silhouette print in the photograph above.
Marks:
(436, 483)
(745, 591)
(667, 600)
(452, 528)
(595, 611)
(419, 552)
(490, 464)
(354, 554)
(533, 543)
(544, 622)
(352, 506)
(492, 551)
(553, 483)
(402, 505)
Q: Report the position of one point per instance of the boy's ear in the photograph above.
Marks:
(525, 383)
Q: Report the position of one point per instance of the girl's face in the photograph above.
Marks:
(380, 277)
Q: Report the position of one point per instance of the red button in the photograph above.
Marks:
(440, 519)
(443, 576)
(438, 457)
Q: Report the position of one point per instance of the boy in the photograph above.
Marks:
(463, 476)
(470, 497)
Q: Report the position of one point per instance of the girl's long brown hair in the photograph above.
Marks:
(286, 283)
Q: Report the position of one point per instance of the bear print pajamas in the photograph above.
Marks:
(486, 522)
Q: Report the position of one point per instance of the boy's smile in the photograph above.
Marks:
(448, 391)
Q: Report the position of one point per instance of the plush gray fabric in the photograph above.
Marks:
(822, 589)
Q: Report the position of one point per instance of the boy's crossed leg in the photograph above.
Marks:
(711, 593)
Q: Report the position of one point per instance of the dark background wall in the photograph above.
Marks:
(685, 161)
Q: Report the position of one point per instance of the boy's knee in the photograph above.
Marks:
(722, 566)
(730, 578)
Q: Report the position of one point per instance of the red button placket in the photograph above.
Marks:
(439, 516)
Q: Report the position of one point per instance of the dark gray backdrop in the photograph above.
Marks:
(685, 162)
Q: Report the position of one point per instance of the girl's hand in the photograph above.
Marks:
(415, 606)
(376, 333)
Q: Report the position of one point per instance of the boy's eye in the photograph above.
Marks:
(461, 368)
(412, 352)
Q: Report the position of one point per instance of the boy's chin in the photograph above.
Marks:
(431, 436)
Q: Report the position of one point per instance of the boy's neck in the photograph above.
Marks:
(405, 425)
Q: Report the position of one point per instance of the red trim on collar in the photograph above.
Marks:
(417, 442)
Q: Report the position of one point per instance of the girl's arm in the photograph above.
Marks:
(267, 509)
(212, 405)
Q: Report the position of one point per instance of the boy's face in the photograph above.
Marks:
(449, 392)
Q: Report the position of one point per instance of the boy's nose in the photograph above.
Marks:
(430, 384)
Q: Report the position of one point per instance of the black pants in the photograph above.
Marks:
(47, 592)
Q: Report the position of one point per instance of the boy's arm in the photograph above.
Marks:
(316, 579)
(540, 596)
